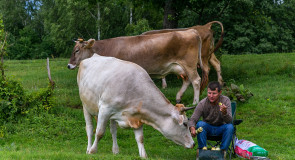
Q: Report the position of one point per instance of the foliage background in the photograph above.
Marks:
(42, 28)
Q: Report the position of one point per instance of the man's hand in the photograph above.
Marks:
(193, 131)
(223, 108)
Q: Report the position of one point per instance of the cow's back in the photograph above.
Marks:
(150, 51)
(113, 81)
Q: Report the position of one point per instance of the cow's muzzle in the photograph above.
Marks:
(70, 66)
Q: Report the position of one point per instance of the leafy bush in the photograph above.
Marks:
(41, 100)
(237, 93)
(15, 103)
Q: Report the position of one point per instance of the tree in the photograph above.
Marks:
(254, 27)
(143, 16)
(170, 15)
(149, 11)
(172, 12)
(15, 16)
(42, 28)
(25, 27)
(282, 14)
(65, 21)
(3, 36)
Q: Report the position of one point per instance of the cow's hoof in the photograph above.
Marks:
(88, 150)
(92, 151)
(115, 150)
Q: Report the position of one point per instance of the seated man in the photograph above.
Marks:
(217, 117)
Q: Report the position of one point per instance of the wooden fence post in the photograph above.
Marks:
(49, 75)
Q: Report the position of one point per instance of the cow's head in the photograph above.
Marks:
(176, 128)
(81, 51)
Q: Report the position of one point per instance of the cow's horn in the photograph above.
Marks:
(187, 108)
(74, 40)
(80, 39)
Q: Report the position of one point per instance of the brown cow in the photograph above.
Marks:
(159, 54)
(207, 49)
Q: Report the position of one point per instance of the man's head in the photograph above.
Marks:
(214, 91)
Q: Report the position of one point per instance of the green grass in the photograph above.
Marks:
(268, 115)
(33, 75)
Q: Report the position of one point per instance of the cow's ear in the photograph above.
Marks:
(177, 117)
(181, 119)
(89, 43)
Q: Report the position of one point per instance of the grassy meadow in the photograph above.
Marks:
(268, 116)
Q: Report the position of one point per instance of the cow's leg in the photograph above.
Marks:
(185, 84)
(196, 81)
(139, 139)
(216, 64)
(164, 84)
(102, 119)
(205, 75)
(113, 127)
(89, 128)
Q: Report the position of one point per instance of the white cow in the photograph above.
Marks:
(123, 92)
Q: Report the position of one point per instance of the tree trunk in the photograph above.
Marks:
(170, 21)
(131, 16)
(98, 22)
(170, 17)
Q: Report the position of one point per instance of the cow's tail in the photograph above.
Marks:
(219, 43)
(204, 79)
(200, 50)
(205, 76)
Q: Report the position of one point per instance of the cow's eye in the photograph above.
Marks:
(185, 124)
(77, 51)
